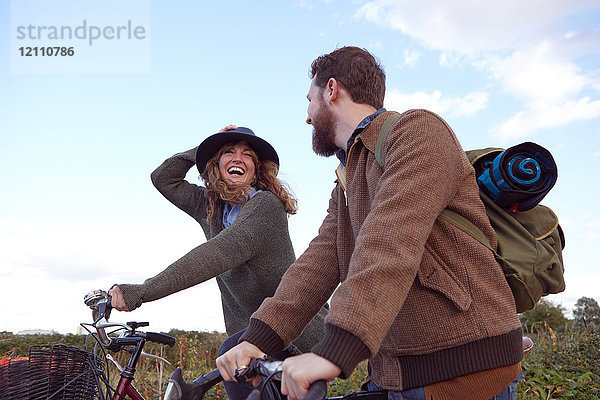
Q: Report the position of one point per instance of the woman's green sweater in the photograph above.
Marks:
(248, 259)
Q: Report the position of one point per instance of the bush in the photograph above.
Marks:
(545, 313)
(562, 365)
(587, 314)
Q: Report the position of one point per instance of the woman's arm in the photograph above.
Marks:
(169, 179)
(245, 238)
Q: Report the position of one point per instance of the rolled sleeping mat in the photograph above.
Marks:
(519, 177)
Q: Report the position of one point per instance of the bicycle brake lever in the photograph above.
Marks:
(111, 358)
(242, 375)
(270, 367)
(155, 356)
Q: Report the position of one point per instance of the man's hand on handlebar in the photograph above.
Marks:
(299, 372)
(118, 301)
(237, 358)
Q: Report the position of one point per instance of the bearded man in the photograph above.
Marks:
(424, 302)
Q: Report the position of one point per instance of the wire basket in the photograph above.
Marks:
(51, 372)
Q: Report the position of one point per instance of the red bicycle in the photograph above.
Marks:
(130, 339)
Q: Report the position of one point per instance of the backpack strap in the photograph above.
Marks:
(385, 128)
(468, 227)
(447, 215)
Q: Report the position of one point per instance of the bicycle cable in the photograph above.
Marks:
(275, 393)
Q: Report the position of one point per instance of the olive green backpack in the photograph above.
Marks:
(530, 243)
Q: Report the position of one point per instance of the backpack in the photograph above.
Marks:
(530, 243)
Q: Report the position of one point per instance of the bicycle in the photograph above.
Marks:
(100, 303)
(130, 339)
(269, 370)
(67, 372)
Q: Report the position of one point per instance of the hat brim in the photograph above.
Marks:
(211, 145)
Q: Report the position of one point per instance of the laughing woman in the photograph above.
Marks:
(243, 210)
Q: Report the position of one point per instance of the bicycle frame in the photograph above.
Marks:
(125, 386)
(131, 340)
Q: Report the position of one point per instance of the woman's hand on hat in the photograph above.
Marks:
(228, 128)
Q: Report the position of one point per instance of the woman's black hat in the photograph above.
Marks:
(213, 143)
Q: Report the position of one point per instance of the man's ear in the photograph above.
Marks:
(332, 90)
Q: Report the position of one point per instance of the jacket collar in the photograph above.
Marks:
(343, 154)
(369, 135)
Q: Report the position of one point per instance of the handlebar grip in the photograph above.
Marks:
(317, 391)
(160, 338)
(254, 395)
(213, 377)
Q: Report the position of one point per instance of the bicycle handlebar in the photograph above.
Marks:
(316, 391)
(268, 368)
(100, 303)
(160, 338)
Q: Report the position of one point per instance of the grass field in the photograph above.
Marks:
(562, 365)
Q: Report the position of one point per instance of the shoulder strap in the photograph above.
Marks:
(448, 215)
(468, 227)
(385, 128)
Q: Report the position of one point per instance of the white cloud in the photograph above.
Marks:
(592, 230)
(304, 4)
(80, 253)
(465, 26)
(12, 225)
(450, 60)
(378, 44)
(411, 57)
(518, 43)
(549, 86)
(577, 286)
(436, 102)
(40, 262)
(525, 123)
(538, 75)
(66, 310)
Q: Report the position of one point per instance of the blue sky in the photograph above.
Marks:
(80, 136)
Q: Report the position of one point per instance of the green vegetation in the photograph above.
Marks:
(564, 363)
(545, 313)
(587, 314)
(194, 352)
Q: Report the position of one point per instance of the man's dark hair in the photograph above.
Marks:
(358, 72)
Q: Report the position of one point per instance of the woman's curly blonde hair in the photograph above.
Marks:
(265, 179)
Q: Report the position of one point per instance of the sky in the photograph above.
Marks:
(80, 135)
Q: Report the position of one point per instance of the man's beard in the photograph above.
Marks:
(323, 133)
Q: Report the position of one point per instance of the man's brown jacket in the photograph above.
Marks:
(421, 299)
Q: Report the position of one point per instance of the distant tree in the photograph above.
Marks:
(587, 313)
(544, 311)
